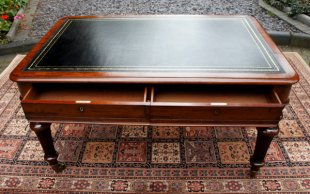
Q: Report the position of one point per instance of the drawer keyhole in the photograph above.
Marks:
(216, 112)
(82, 109)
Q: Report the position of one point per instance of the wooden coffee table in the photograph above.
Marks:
(156, 70)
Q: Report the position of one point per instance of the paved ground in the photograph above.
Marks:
(5, 61)
(304, 52)
(49, 11)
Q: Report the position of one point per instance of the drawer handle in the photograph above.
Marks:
(81, 109)
(216, 112)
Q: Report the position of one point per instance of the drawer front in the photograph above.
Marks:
(215, 114)
(83, 110)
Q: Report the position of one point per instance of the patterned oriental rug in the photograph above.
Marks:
(138, 159)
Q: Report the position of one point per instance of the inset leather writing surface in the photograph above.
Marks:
(157, 45)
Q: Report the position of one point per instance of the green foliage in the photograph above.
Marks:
(3, 39)
(296, 6)
(300, 8)
(5, 25)
(8, 9)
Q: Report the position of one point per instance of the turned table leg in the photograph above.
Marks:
(264, 138)
(43, 132)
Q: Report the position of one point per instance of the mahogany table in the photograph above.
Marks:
(156, 70)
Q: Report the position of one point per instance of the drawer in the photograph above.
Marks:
(98, 102)
(214, 104)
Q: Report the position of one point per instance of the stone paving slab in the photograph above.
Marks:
(23, 31)
(5, 60)
(304, 52)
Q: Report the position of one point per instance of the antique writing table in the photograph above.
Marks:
(156, 70)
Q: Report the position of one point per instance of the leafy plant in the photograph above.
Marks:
(8, 11)
(3, 39)
(300, 7)
(296, 6)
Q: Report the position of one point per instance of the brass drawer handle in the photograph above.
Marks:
(81, 109)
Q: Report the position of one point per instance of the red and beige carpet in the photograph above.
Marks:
(138, 159)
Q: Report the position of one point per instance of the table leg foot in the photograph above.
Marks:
(43, 132)
(263, 141)
(253, 174)
(255, 166)
(58, 168)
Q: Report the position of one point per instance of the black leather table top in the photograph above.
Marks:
(178, 44)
